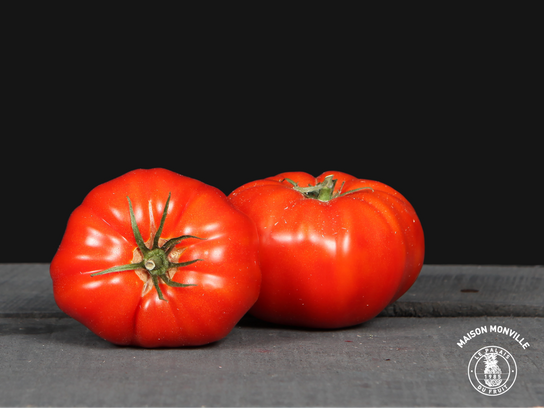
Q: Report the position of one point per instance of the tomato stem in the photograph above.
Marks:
(155, 259)
(327, 188)
(323, 191)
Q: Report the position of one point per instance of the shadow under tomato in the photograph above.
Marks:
(249, 321)
(68, 331)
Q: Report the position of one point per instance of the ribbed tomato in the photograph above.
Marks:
(334, 250)
(156, 259)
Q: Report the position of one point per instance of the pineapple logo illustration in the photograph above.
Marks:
(492, 371)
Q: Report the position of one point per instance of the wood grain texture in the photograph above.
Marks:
(48, 359)
(471, 290)
(385, 362)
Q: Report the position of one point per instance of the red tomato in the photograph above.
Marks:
(188, 284)
(334, 251)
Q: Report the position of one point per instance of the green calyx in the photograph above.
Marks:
(155, 259)
(324, 191)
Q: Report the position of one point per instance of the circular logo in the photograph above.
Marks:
(492, 371)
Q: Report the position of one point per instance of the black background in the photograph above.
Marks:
(449, 113)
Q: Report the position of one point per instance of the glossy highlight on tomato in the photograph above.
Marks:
(156, 259)
(334, 250)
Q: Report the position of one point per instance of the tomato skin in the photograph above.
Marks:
(99, 236)
(331, 264)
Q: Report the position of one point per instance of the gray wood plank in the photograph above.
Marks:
(440, 290)
(472, 290)
(402, 361)
(385, 362)
(26, 290)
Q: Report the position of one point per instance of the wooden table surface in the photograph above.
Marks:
(417, 353)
